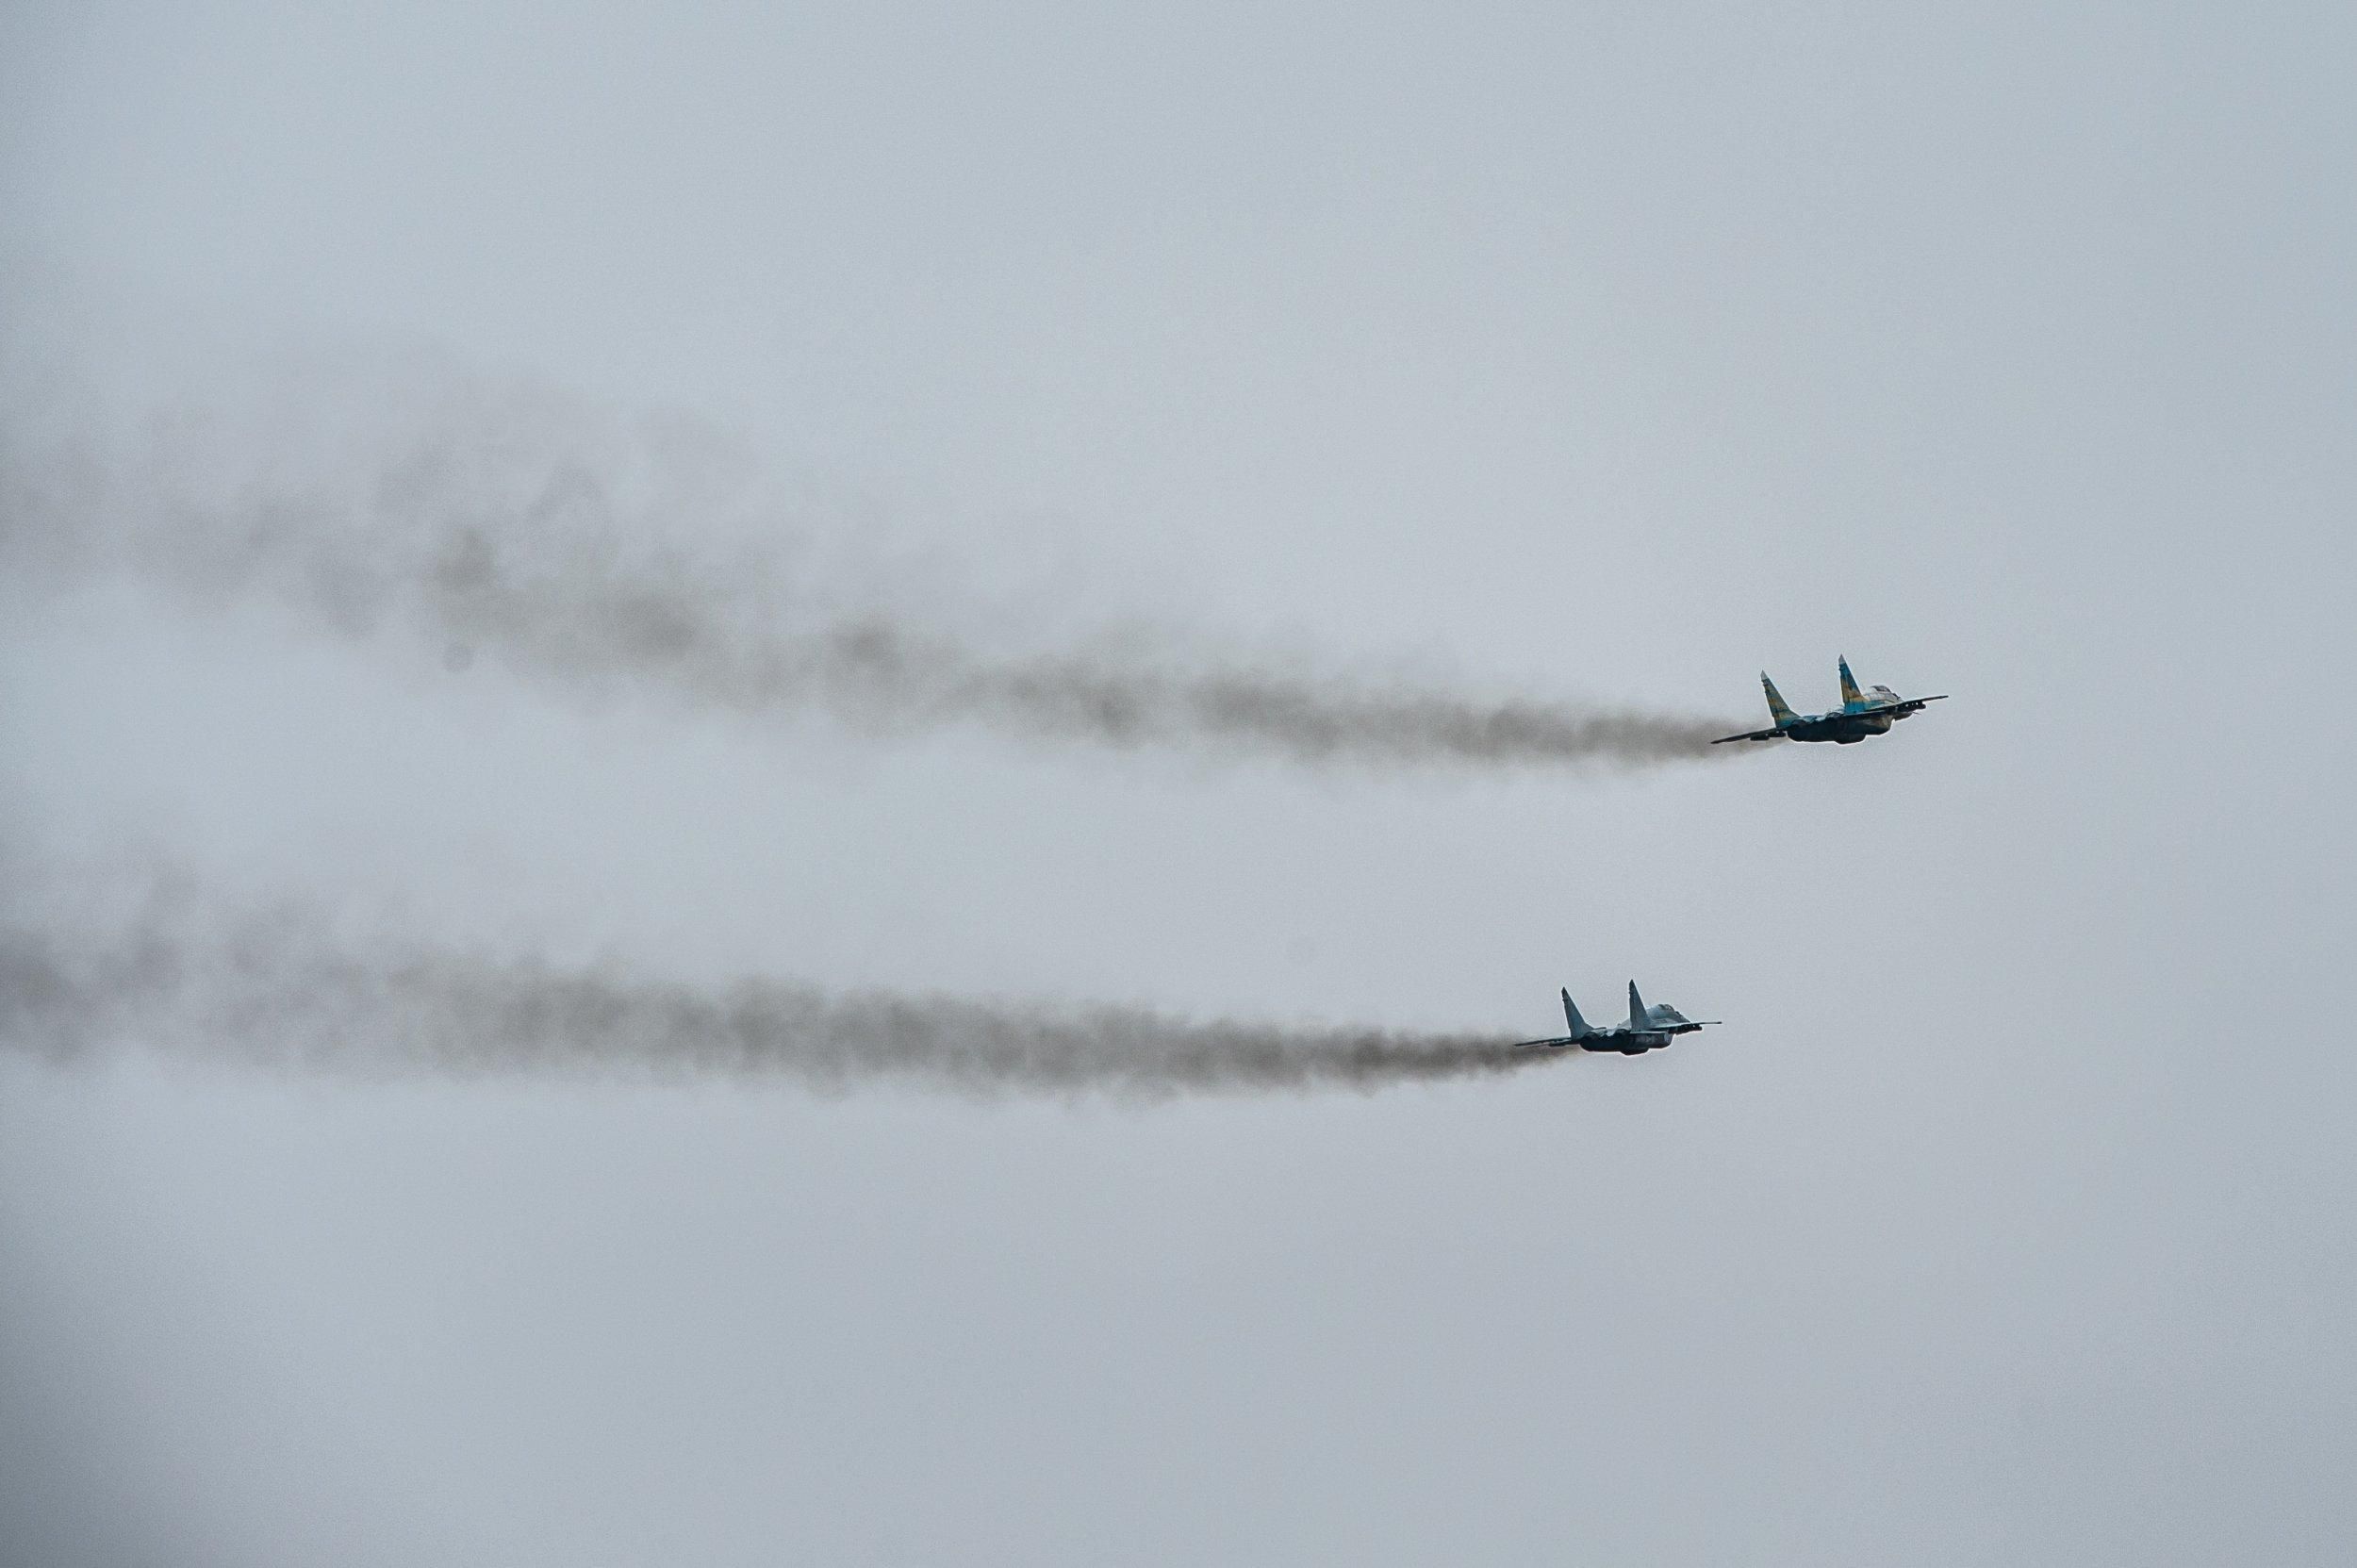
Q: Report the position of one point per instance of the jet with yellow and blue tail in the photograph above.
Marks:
(1870, 712)
(1648, 1028)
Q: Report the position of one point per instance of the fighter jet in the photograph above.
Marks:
(1870, 712)
(1648, 1028)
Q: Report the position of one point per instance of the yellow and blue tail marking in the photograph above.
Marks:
(1852, 698)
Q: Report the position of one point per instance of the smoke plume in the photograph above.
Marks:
(277, 993)
(579, 552)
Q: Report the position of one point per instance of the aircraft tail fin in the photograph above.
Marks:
(1637, 1015)
(1851, 696)
(1572, 1021)
(1776, 710)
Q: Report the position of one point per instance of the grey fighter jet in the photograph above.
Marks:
(1648, 1028)
(1870, 712)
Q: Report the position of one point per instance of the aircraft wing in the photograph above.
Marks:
(1907, 707)
(1754, 735)
(1544, 1045)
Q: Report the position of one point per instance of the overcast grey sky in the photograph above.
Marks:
(1604, 354)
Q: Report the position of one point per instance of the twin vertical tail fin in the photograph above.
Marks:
(1851, 696)
(1776, 710)
(1572, 1021)
(1638, 1017)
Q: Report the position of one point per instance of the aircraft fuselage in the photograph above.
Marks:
(1861, 714)
(1626, 1044)
(1842, 729)
(1648, 1028)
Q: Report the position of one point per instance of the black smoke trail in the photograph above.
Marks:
(552, 542)
(279, 993)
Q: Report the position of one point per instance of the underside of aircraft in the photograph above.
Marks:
(1647, 1028)
(1870, 712)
